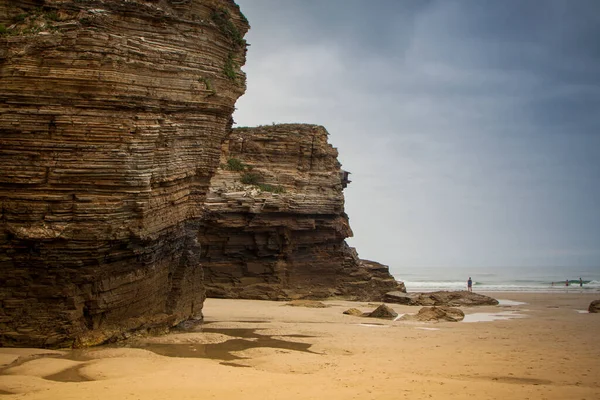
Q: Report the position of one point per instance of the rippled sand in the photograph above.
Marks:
(538, 346)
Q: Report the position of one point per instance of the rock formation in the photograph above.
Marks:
(383, 311)
(112, 115)
(354, 312)
(435, 314)
(275, 226)
(442, 298)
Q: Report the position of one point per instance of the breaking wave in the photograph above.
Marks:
(515, 286)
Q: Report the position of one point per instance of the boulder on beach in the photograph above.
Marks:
(383, 311)
(442, 298)
(594, 306)
(428, 314)
(354, 311)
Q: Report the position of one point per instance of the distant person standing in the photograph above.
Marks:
(567, 282)
(470, 285)
(580, 282)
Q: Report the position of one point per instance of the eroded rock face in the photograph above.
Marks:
(442, 298)
(275, 226)
(112, 115)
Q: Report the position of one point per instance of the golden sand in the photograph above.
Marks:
(548, 349)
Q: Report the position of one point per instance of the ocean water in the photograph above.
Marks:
(505, 279)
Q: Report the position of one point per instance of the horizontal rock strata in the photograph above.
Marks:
(275, 226)
(112, 114)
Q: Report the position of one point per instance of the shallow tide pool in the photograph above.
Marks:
(488, 317)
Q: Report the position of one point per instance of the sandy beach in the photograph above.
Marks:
(546, 348)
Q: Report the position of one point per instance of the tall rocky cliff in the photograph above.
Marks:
(114, 118)
(112, 115)
(275, 226)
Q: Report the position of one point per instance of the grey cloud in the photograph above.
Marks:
(470, 127)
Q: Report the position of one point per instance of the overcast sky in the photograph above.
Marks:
(471, 128)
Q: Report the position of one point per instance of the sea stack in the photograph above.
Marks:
(275, 226)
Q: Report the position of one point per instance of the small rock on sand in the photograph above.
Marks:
(354, 311)
(383, 311)
(594, 306)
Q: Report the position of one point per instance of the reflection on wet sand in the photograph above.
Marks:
(242, 339)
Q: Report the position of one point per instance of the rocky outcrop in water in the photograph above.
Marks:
(442, 298)
(112, 115)
(275, 226)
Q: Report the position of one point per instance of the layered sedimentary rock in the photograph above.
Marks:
(275, 226)
(112, 115)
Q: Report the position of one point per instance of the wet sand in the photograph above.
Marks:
(544, 349)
